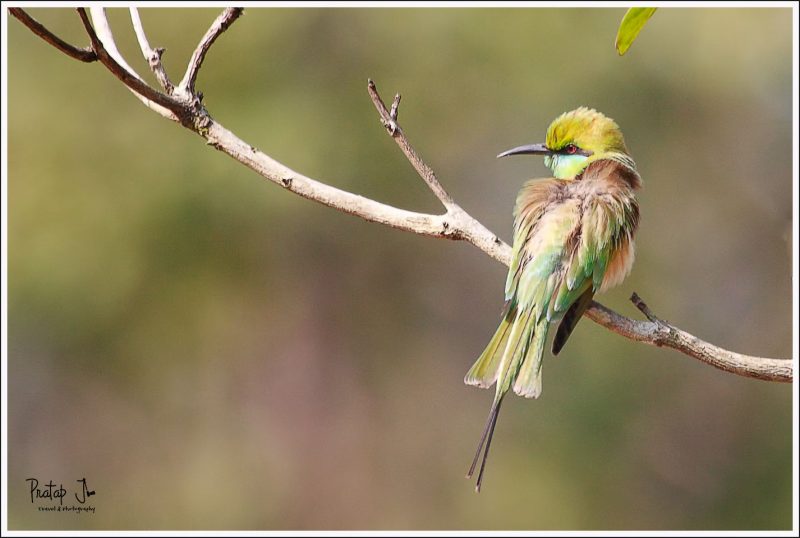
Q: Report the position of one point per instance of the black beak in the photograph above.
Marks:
(530, 149)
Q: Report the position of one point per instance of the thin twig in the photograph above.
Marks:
(227, 142)
(165, 105)
(660, 333)
(454, 224)
(84, 55)
(104, 34)
(395, 108)
(222, 23)
(642, 306)
(389, 120)
(457, 223)
(151, 56)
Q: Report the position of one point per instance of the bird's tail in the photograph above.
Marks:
(528, 382)
(486, 440)
(513, 357)
(485, 370)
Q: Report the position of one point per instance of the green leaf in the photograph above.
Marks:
(632, 23)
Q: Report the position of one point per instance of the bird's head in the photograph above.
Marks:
(575, 139)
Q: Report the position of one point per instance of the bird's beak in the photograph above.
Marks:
(530, 149)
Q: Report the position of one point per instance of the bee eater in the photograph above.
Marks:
(573, 237)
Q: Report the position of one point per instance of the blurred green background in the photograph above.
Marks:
(213, 352)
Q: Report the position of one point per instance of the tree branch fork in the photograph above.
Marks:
(183, 103)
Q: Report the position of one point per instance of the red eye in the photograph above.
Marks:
(571, 149)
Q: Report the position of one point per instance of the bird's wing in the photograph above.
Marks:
(547, 233)
(570, 320)
(604, 254)
(568, 245)
(545, 236)
(536, 198)
(531, 204)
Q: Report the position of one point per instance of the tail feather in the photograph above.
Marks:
(485, 370)
(505, 354)
(519, 340)
(486, 441)
(529, 379)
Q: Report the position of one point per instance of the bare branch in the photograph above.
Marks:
(222, 23)
(227, 142)
(454, 224)
(395, 110)
(151, 56)
(106, 37)
(164, 105)
(84, 55)
(156, 101)
(389, 120)
(637, 301)
(660, 333)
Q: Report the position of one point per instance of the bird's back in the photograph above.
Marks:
(570, 235)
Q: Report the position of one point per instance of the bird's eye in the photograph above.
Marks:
(571, 149)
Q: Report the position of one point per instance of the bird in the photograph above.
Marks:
(573, 236)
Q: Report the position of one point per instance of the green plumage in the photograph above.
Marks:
(573, 237)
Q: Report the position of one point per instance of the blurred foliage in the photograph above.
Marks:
(632, 23)
(212, 352)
